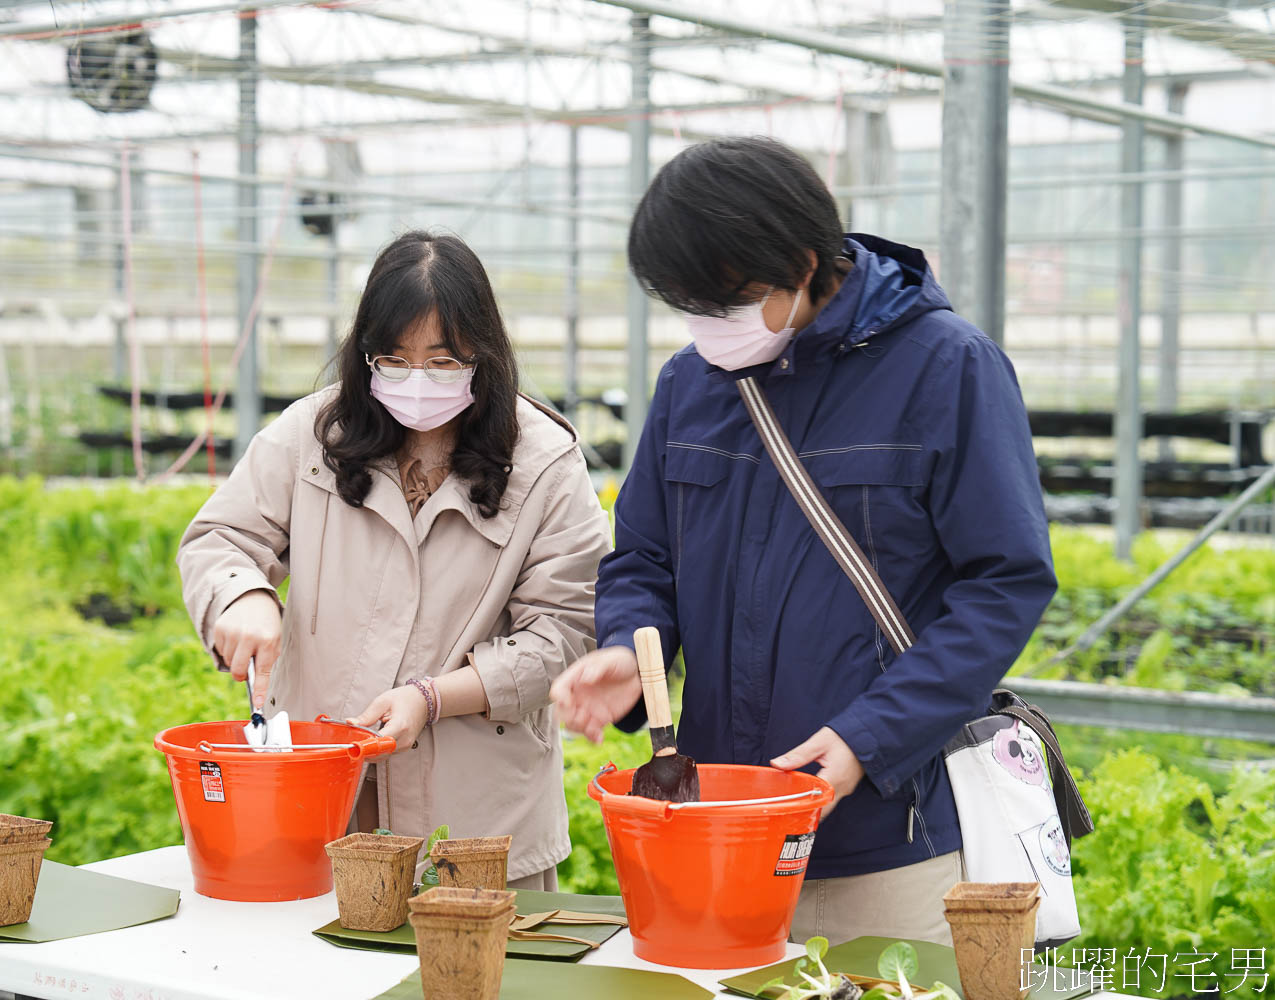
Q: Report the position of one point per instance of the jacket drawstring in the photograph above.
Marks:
(318, 575)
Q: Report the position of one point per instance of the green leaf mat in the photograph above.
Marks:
(530, 980)
(402, 939)
(72, 902)
(859, 958)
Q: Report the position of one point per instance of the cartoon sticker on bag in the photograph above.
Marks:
(1019, 752)
(1053, 847)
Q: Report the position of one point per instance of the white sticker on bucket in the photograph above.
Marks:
(210, 774)
(795, 854)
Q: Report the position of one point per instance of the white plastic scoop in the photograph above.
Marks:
(262, 732)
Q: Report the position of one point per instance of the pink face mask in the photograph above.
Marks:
(741, 338)
(421, 403)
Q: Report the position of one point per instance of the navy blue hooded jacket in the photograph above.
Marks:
(912, 424)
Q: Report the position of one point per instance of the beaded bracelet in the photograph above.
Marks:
(429, 691)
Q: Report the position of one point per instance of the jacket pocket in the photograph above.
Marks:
(539, 723)
(698, 465)
(690, 472)
(868, 465)
(878, 493)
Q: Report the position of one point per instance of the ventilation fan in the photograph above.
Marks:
(114, 73)
(317, 211)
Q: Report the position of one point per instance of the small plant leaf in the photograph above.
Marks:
(879, 993)
(898, 961)
(816, 948)
(777, 984)
(442, 833)
(430, 875)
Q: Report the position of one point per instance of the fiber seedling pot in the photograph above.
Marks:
(460, 937)
(473, 862)
(19, 874)
(994, 933)
(373, 875)
(20, 829)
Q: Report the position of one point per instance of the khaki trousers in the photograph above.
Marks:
(903, 903)
(545, 881)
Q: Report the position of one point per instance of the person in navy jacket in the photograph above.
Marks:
(911, 422)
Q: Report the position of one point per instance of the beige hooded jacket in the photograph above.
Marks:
(515, 591)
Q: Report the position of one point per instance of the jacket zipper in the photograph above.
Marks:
(318, 574)
(913, 813)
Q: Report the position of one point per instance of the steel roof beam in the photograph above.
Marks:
(1203, 23)
(1077, 105)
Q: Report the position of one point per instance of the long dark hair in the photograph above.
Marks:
(420, 273)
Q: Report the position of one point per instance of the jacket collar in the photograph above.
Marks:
(543, 436)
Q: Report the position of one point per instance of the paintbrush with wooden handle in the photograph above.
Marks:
(670, 776)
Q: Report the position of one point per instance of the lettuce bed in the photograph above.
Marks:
(1182, 864)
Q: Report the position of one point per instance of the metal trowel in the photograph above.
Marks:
(670, 776)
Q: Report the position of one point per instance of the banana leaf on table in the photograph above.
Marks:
(72, 902)
(403, 940)
(525, 979)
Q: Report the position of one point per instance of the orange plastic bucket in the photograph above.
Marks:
(713, 884)
(255, 823)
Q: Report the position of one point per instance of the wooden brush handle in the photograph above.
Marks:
(650, 656)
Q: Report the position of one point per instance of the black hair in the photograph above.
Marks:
(420, 273)
(728, 213)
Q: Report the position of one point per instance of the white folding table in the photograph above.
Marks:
(218, 950)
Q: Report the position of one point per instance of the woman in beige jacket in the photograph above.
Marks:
(441, 539)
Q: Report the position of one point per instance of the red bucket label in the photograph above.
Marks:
(210, 775)
(795, 854)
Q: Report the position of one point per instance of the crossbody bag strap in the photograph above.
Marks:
(827, 525)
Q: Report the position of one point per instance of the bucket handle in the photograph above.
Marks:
(324, 717)
(719, 803)
(666, 809)
(355, 750)
(368, 748)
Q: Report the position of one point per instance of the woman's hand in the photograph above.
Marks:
(597, 690)
(404, 712)
(837, 764)
(250, 629)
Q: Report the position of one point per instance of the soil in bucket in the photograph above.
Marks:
(460, 937)
(994, 933)
(19, 875)
(472, 862)
(373, 875)
(20, 829)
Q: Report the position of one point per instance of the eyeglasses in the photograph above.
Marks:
(396, 369)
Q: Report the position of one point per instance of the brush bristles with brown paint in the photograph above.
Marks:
(669, 776)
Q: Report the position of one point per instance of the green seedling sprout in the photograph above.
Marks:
(819, 982)
(430, 875)
(898, 962)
